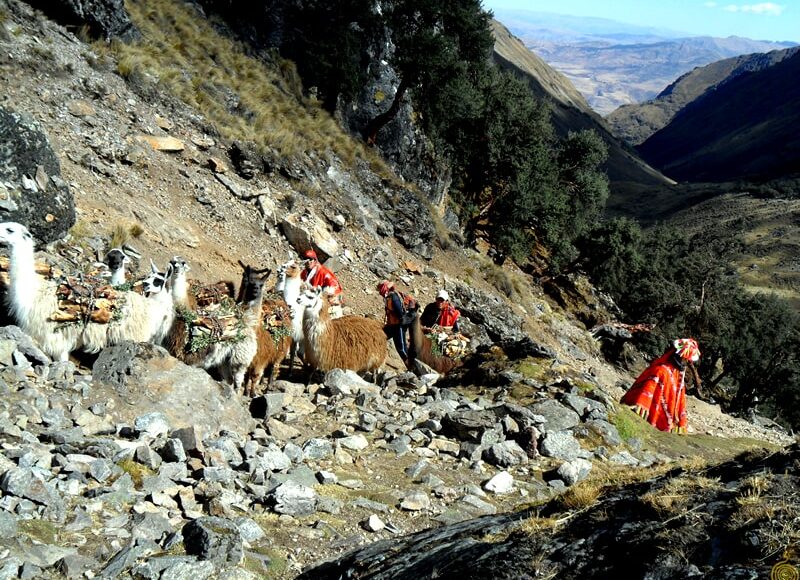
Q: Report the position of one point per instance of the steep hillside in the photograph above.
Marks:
(570, 111)
(744, 129)
(635, 123)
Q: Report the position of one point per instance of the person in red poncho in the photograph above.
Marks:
(659, 394)
(318, 276)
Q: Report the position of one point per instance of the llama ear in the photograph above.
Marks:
(242, 264)
(154, 268)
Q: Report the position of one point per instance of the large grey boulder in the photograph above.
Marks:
(31, 189)
(105, 19)
(215, 539)
(140, 377)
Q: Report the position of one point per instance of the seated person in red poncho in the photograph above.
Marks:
(659, 394)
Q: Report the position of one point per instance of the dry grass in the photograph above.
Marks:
(119, 235)
(241, 97)
(582, 495)
(674, 496)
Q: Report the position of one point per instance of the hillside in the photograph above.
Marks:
(741, 130)
(635, 123)
(614, 64)
(570, 110)
(130, 464)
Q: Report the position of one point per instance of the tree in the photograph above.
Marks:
(431, 38)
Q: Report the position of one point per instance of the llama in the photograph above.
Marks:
(116, 259)
(422, 349)
(273, 345)
(351, 342)
(33, 300)
(232, 357)
(290, 284)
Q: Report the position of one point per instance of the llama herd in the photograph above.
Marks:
(264, 327)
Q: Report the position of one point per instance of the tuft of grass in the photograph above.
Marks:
(137, 471)
(119, 235)
(498, 277)
(136, 230)
(41, 530)
(674, 496)
(582, 495)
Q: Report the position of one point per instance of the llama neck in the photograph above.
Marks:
(180, 289)
(24, 282)
(118, 276)
(291, 289)
(417, 336)
(315, 323)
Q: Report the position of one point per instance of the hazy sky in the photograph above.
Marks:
(756, 20)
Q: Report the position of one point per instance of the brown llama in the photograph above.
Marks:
(351, 342)
(273, 335)
(422, 350)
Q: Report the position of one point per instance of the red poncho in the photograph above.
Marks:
(659, 394)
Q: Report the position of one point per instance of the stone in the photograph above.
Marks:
(172, 451)
(348, 383)
(326, 477)
(215, 539)
(151, 526)
(304, 231)
(582, 405)
(280, 430)
(317, 449)
(606, 430)
(139, 377)
(557, 415)
(371, 505)
(191, 440)
(293, 499)
(249, 529)
(162, 143)
(354, 442)
(25, 150)
(152, 424)
(74, 566)
(562, 445)
(501, 483)
(416, 501)
(505, 454)
(571, 472)
(373, 524)
(272, 459)
(469, 425)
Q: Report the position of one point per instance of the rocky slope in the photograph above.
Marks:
(134, 465)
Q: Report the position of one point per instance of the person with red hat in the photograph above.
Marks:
(399, 309)
(659, 394)
(318, 276)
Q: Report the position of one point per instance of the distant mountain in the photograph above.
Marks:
(635, 123)
(531, 26)
(571, 112)
(744, 128)
(614, 64)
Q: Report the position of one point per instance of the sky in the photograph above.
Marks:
(756, 20)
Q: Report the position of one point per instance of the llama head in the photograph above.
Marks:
(156, 281)
(253, 282)
(312, 299)
(15, 234)
(116, 258)
(180, 267)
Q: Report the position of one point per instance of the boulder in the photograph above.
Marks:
(557, 415)
(31, 189)
(216, 539)
(105, 19)
(140, 377)
(306, 231)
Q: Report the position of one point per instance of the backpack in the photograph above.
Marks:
(409, 309)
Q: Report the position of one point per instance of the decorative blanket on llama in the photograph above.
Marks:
(448, 343)
(276, 318)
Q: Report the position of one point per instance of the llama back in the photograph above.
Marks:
(353, 342)
(53, 338)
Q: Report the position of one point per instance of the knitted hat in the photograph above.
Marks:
(687, 349)
(385, 287)
(310, 254)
